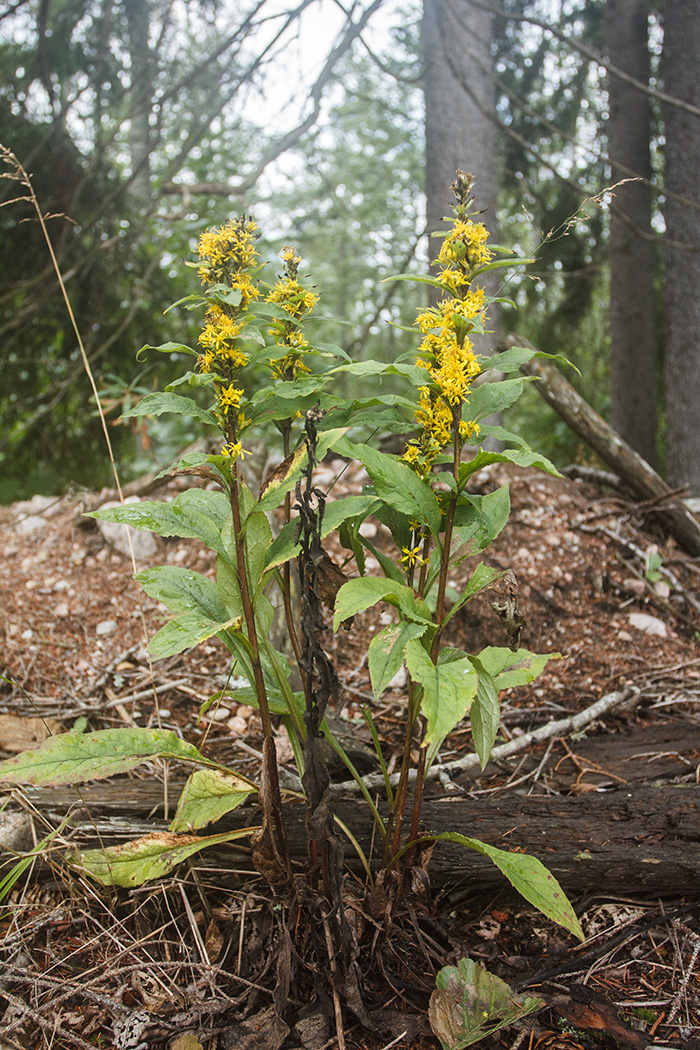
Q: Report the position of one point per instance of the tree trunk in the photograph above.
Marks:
(460, 124)
(140, 97)
(681, 70)
(632, 313)
(642, 479)
(642, 836)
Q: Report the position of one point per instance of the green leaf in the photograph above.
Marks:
(396, 483)
(485, 713)
(469, 1003)
(167, 348)
(147, 858)
(257, 538)
(509, 360)
(337, 511)
(414, 373)
(359, 594)
(489, 398)
(521, 457)
(529, 877)
(227, 587)
(386, 653)
(186, 632)
(194, 514)
(509, 669)
(207, 796)
(71, 758)
(482, 577)
(448, 691)
(478, 520)
(160, 401)
(183, 591)
(275, 491)
(195, 379)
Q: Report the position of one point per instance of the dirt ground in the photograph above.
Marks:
(599, 582)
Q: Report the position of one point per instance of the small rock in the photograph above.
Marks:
(368, 529)
(663, 589)
(143, 544)
(649, 624)
(237, 725)
(106, 627)
(399, 679)
(30, 525)
(624, 636)
(46, 505)
(634, 585)
(62, 610)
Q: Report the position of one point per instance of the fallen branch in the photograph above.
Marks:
(644, 482)
(561, 727)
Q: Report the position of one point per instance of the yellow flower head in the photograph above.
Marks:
(227, 253)
(229, 397)
(293, 297)
(234, 450)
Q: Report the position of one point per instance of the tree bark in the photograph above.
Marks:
(460, 124)
(644, 482)
(681, 70)
(633, 342)
(642, 838)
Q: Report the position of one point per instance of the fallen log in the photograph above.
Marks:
(634, 839)
(640, 478)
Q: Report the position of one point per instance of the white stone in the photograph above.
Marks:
(368, 529)
(29, 525)
(62, 610)
(399, 679)
(106, 627)
(143, 543)
(649, 624)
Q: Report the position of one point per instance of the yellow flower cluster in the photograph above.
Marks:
(229, 258)
(298, 302)
(228, 253)
(446, 351)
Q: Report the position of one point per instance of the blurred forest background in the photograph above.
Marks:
(339, 126)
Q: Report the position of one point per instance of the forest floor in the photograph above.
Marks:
(174, 964)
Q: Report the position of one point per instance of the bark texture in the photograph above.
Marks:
(681, 70)
(642, 479)
(460, 126)
(637, 838)
(633, 340)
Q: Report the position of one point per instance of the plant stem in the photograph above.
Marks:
(447, 541)
(287, 568)
(270, 797)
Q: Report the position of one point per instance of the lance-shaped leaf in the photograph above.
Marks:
(183, 590)
(71, 758)
(194, 514)
(187, 631)
(147, 858)
(396, 483)
(510, 669)
(448, 692)
(364, 592)
(386, 653)
(288, 473)
(485, 713)
(207, 796)
(529, 877)
(337, 511)
(157, 403)
(470, 1003)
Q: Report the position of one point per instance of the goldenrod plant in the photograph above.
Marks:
(253, 328)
